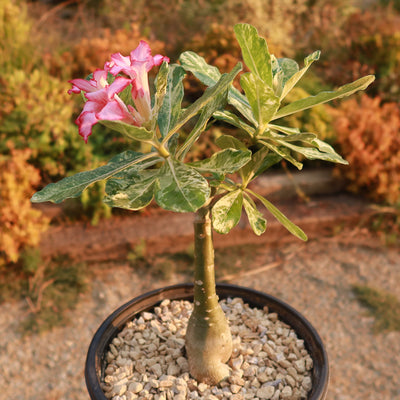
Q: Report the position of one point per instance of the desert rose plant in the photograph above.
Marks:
(215, 189)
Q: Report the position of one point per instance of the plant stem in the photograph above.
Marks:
(208, 337)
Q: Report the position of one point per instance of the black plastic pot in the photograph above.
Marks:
(95, 361)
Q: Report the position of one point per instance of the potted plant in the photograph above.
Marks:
(215, 189)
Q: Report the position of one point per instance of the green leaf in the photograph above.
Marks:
(72, 186)
(256, 220)
(234, 120)
(282, 70)
(132, 132)
(282, 152)
(262, 99)
(209, 96)
(261, 160)
(218, 102)
(288, 67)
(323, 97)
(290, 83)
(209, 75)
(171, 107)
(296, 137)
(180, 188)
(289, 225)
(230, 142)
(315, 154)
(161, 87)
(284, 129)
(125, 191)
(227, 211)
(226, 161)
(255, 52)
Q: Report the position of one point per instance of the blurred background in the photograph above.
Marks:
(43, 44)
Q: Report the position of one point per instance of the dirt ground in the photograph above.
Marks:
(315, 277)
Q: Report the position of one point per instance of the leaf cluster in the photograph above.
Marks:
(134, 179)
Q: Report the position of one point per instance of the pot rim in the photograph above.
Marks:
(113, 324)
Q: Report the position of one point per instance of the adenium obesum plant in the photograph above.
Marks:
(215, 189)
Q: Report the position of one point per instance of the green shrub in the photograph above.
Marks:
(382, 305)
(16, 46)
(368, 135)
(37, 114)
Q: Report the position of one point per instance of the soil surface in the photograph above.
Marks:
(315, 277)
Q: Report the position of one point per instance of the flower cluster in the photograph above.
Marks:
(103, 102)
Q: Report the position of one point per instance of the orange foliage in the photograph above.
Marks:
(21, 225)
(368, 133)
(91, 53)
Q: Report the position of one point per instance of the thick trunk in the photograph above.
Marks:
(208, 337)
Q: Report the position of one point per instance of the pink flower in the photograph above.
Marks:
(137, 66)
(103, 102)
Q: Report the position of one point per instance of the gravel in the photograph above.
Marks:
(145, 361)
(314, 277)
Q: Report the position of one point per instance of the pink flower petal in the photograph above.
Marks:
(113, 112)
(119, 63)
(81, 84)
(141, 53)
(101, 96)
(85, 121)
(158, 59)
(118, 86)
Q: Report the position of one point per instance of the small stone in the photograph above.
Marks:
(250, 371)
(290, 381)
(173, 370)
(234, 388)
(265, 392)
(309, 363)
(238, 396)
(236, 380)
(263, 377)
(135, 387)
(166, 381)
(156, 369)
(285, 364)
(202, 387)
(273, 317)
(119, 390)
(306, 384)
(300, 365)
(237, 362)
(276, 395)
(286, 392)
(154, 383)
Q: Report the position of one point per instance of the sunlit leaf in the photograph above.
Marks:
(180, 188)
(209, 75)
(289, 225)
(256, 220)
(132, 193)
(323, 97)
(171, 106)
(291, 82)
(226, 161)
(227, 211)
(255, 52)
(262, 99)
(230, 142)
(72, 186)
(132, 132)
